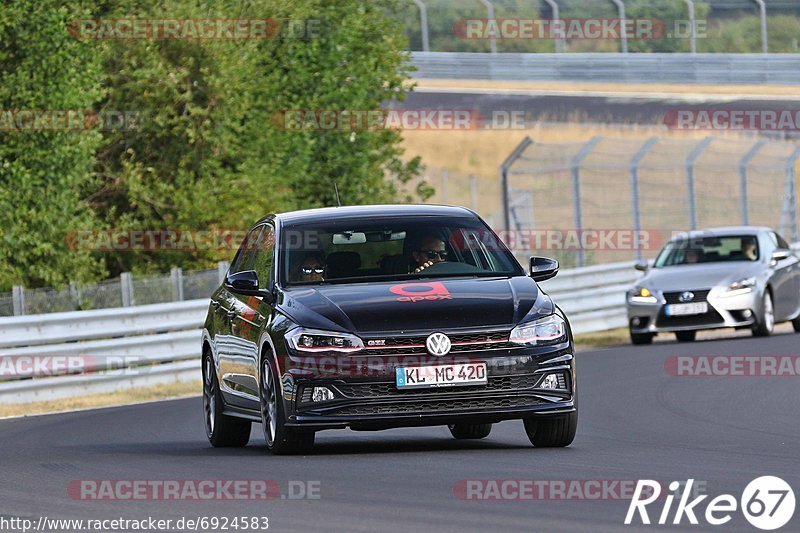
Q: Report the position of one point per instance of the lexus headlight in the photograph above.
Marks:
(642, 295)
(743, 286)
(308, 340)
(543, 331)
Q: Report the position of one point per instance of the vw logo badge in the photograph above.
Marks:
(687, 296)
(438, 344)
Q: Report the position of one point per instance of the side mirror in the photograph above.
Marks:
(246, 282)
(780, 254)
(641, 266)
(543, 268)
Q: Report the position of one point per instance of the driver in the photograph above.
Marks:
(429, 251)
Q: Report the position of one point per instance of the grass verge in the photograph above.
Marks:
(142, 394)
(602, 339)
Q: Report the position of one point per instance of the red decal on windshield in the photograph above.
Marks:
(418, 292)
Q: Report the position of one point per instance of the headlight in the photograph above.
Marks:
(743, 286)
(642, 295)
(309, 340)
(543, 331)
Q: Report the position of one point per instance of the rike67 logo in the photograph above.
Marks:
(421, 292)
(767, 503)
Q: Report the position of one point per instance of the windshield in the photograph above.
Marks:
(708, 250)
(359, 250)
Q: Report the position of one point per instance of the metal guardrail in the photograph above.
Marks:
(751, 69)
(159, 344)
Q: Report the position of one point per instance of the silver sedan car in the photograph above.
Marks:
(734, 277)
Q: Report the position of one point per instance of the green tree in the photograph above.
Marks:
(45, 175)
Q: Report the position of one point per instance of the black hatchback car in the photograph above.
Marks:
(377, 317)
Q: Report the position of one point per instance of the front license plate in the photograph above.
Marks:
(696, 308)
(417, 377)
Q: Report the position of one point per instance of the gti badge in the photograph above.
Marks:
(686, 296)
(438, 344)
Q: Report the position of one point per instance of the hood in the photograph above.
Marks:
(366, 308)
(702, 276)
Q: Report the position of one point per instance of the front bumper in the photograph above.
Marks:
(372, 401)
(723, 312)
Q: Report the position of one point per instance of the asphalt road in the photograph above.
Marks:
(636, 421)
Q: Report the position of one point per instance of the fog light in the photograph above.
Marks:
(747, 313)
(554, 382)
(321, 394)
(635, 321)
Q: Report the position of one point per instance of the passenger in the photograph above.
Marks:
(692, 256)
(749, 249)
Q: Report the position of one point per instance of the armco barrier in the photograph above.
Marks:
(160, 344)
(738, 69)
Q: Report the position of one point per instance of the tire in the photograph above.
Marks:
(470, 431)
(641, 338)
(555, 432)
(223, 431)
(686, 336)
(765, 324)
(796, 324)
(280, 439)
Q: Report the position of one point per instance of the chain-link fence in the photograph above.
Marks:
(468, 190)
(125, 291)
(619, 199)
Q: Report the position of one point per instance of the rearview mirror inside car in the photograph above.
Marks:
(543, 268)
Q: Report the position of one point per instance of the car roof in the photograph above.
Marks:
(725, 230)
(371, 211)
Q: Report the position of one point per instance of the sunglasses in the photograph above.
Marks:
(432, 254)
(312, 270)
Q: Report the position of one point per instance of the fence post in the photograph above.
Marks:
(791, 193)
(762, 6)
(176, 275)
(492, 37)
(74, 294)
(18, 299)
(222, 270)
(473, 192)
(743, 179)
(692, 30)
(559, 39)
(634, 168)
(126, 286)
(576, 189)
(690, 180)
(623, 34)
(423, 25)
(445, 186)
(504, 167)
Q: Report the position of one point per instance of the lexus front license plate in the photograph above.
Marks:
(697, 308)
(416, 377)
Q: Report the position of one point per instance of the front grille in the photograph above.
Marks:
(711, 318)
(438, 406)
(699, 296)
(462, 342)
(497, 383)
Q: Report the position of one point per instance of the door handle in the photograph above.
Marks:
(215, 305)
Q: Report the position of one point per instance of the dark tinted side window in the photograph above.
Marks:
(245, 257)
